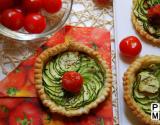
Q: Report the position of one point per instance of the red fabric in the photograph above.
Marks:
(20, 82)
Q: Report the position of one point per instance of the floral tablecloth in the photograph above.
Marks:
(85, 13)
(18, 86)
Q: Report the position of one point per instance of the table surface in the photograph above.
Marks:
(124, 28)
(85, 13)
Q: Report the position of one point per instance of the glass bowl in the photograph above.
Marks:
(54, 23)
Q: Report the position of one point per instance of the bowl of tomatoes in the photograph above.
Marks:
(33, 19)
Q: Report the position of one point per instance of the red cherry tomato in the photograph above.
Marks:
(154, 10)
(130, 46)
(72, 81)
(26, 113)
(32, 5)
(21, 9)
(18, 2)
(52, 6)
(35, 23)
(154, 14)
(5, 4)
(12, 19)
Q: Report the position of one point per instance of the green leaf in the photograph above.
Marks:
(94, 46)
(24, 121)
(4, 108)
(100, 121)
(48, 118)
(17, 70)
(12, 91)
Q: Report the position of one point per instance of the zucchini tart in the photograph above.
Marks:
(146, 19)
(142, 87)
(71, 79)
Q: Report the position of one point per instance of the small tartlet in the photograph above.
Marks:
(70, 46)
(128, 81)
(139, 28)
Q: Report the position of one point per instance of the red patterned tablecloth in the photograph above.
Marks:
(18, 99)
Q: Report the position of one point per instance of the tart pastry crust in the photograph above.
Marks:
(70, 46)
(128, 81)
(141, 30)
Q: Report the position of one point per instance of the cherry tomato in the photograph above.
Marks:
(27, 113)
(72, 81)
(130, 46)
(5, 4)
(35, 23)
(154, 10)
(12, 19)
(52, 6)
(154, 14)
(18, 2)
(32, 5)
(21, 9)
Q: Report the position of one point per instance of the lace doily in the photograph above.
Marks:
(85, 13)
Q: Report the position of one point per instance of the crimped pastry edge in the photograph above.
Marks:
(54, 108)
(128, 80)
(141, 30)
